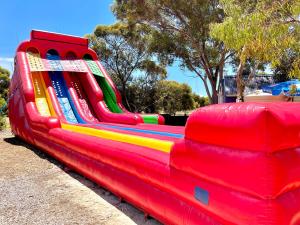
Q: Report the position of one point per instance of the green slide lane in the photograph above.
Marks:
(109, 95)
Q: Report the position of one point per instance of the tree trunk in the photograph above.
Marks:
(209, 95)
(215, 97)
(124, 97)
(240, 83)
(213, 80)
(214, 91)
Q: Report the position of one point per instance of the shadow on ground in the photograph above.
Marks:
(100, 191)
(19, 142)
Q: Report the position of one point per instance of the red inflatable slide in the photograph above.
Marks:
(231, 164)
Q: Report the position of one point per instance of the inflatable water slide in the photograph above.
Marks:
(231, 163)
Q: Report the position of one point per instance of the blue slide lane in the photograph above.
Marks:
(143, 131)
(63, 96)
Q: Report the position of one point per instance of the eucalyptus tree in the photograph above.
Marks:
(124, 53)
(262, 31)
(180, 32)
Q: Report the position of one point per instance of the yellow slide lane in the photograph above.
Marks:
(42, 101)
(160, 145)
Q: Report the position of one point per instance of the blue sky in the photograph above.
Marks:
(75, 17)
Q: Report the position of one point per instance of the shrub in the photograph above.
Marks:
(2, 114)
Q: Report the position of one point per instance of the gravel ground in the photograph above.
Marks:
(35, 189)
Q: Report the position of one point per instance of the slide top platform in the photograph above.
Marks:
(49, 36)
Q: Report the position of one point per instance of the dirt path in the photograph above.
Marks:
(34, 189)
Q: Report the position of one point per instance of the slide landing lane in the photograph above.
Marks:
(143, 131)
(160, 145)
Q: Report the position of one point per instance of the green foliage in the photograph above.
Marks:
(4, 86)
(282, 72)
(123, 51)
(173, 97)
(2, 123)
(187, 100)
(2, 115)
(293, 89)
(4, 82)
(200, 101)
(264, 31)
(142, 93)
(179, 30)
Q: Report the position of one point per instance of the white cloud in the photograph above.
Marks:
(7, 63)
(6, 59)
